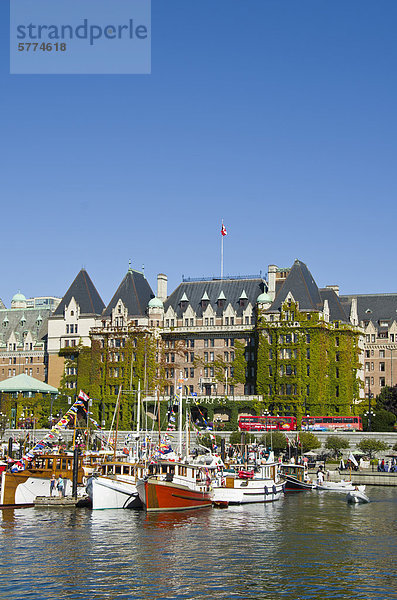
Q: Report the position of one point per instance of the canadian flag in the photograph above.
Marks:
(223, 230)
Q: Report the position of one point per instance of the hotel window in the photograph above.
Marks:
(67, 328)
(232, 356)
(212, 343)
(392, 337)
(247, 320)
(206, 320)
(191, 322)
(172, 322)
(186, 372)
(205, 356)
(367, 381)
(211, 320)
(226, 356)
(211, 371)
(211, 357)
(372, 366)
(372, 381)
(231, 320)
(205, 371)
(226, 320)
(186, 356)
(167, 322)
(373, 338)
(191, 372)
(381, 354)
(382, 381)
(191, 356)
(186, 322)
(382, 366)
(206, 343)
(367, 354)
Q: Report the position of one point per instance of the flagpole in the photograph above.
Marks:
(222, 236)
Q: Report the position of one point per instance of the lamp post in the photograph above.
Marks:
(369, 412)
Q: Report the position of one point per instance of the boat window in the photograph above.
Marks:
(164, 468)
(117, 470)
(126, 470)
(64, 463)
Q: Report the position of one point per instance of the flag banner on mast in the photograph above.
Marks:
(223, 230)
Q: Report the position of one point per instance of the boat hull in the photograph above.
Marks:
(357, 497)
(22, 488)
(159, 495)
(293, 484)
(248, 492)
(112, 493)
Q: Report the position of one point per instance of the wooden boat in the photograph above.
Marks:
(249, 486)
(20, 488)
(295, 478)
(174, 486)
(115, 485)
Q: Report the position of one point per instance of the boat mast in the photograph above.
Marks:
(138, 418)
(180, 413)
(117, 424)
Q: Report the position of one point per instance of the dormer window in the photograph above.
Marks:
(72, 313)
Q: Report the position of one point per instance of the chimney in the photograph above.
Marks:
(162, 287)
(333, 287)
(271, 278)
(353, 312)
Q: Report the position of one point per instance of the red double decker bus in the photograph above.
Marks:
(253, 423)
(351, 423)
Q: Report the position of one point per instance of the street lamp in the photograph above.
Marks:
(369, 412)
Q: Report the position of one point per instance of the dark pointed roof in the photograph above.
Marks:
(230, 290)
(302, 286)
(85, 294)
(135, 293)
(304, 289)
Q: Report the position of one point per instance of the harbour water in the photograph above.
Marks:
(306, 546)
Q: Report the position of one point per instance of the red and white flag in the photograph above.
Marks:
(223, 230)
(83, 396)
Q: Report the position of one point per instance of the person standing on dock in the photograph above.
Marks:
(52, 484)
(61, 487)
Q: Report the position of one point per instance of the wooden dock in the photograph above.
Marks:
(67, 502)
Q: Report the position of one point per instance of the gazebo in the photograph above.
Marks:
(28, 387)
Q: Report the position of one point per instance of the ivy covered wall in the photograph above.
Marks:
(306, 365)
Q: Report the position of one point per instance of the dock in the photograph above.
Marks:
(67, 502)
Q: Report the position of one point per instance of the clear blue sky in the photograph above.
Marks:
(278, 116)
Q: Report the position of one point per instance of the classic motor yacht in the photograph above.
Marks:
(259, 484)
(171, 486)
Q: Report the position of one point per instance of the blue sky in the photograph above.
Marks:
(276, 115)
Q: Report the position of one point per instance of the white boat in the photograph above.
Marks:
(115, 486)
(339, 486)
(246, 487)
(357, 496)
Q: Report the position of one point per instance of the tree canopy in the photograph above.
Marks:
(276, 440)
(370, 446)
(308, 441)
(387, 399)
(336, 443)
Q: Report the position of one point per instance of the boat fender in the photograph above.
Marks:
(84, 480)
(274, 490)
(266, 490)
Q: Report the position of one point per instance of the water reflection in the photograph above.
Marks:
(311, 546)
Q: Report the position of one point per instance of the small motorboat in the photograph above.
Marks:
(339, 486)
(357, 496)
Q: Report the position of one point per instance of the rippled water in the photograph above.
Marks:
(310, 545)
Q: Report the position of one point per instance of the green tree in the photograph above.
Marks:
(370, 446)
(206, 440)
(276, 440)
(235, 438)
(308, 441)
(336, 444)
(387, 399)
(382, 420)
